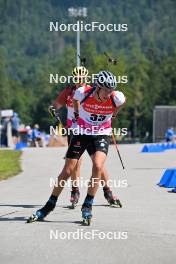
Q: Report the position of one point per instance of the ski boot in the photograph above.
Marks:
(86, 215)
(87, 211)
(75, 194)
(112, 200)
(44, 211)
(38, 216)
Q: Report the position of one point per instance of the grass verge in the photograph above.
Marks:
(10, 164)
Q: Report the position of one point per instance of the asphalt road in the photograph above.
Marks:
(143, 231)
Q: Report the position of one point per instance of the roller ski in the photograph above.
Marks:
(87, 211)
(75, 194)
(113, 201)
(86, 215)
(38, 216)
(44, 211)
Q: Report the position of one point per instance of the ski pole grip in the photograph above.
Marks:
(52, 110)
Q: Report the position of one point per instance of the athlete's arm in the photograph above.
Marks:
(60, 101)
(76, 107)
(117, 109)
(120, 103)
(78, 96)
(62, 98)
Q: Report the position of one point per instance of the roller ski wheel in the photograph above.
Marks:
(86, 221)
(37, 217)
(86, 215)
(113, 201)
(74, 199)
(73, 205)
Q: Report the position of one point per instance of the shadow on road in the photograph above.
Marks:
(24, 219)
(21, 205)
(16, 218)
(149, 168)
(95, 205)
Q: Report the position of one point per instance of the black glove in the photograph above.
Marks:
(76, 116)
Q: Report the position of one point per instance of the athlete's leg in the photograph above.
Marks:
(112, 200)
(101, 144)
(60, 183)
(75, 193)
(73, 154)
(97, 149)
(76, 174)
(98, 160)
(104, 178)
(67, 171)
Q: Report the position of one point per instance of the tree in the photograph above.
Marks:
(4, 85)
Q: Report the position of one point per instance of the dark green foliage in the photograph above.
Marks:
(146, 54)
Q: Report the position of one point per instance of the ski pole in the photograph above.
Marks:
(114, 141)
(53, 113)
(110, 59)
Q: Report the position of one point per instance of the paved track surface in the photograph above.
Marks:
(147, 219)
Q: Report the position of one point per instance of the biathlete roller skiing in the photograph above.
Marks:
(66, 98)
(94, 107)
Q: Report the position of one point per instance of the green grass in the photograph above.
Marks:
(9, 163)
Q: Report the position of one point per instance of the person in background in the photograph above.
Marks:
(169, 136)
(29, 135)
(36, 137)
(4, 141)
(15, 121)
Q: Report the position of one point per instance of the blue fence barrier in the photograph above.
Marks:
(158, 147)
(168, 179)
